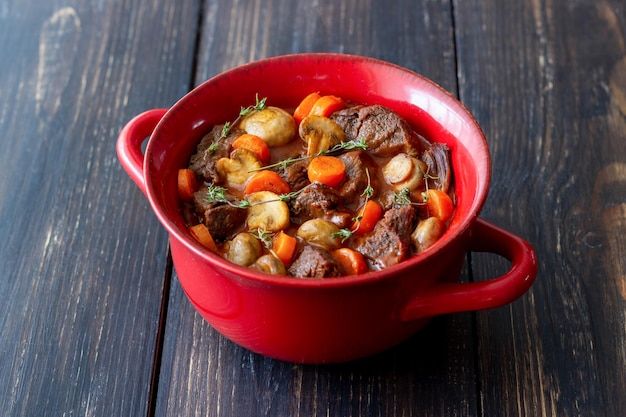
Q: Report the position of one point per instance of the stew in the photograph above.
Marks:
(328, 189)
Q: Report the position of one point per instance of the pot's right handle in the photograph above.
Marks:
(457, 297)
(129, 143)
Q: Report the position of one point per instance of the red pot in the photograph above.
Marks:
(339, 319)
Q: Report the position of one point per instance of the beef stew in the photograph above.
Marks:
(347, 189)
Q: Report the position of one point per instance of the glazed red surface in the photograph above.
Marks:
(331, 320)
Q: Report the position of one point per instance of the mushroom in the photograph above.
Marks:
(239, 167)
(270, 265)
(403, 171)
(267, 212)
(272, 124)
(244, 249)
(320, 133)
(427, 232)
(320, 232)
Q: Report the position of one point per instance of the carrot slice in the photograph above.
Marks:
(439, 204)
(202, 235)
(351, 261)
(284, 246)
(255, 144)
(267, 180)
(187, 184)
(304, 108)
(327, 105)
(327, 170)
(367, 218)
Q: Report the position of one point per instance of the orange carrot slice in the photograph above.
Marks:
(327, 105)
(367, 218)
(267, 180)
(187, 184)
(202, 235)
(304, 108)
(255, 144)
(284, 246)
(351, 261)
(439, 204)
(327, 170)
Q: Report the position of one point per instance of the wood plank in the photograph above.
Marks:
(82, 258)
(546, 81)
(432, 374)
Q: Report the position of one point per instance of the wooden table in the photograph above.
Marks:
(93, 320)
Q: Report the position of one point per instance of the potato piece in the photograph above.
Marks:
(267, 212)
(272, 124)
(270, 265)
(244, 249)
(427, 232)
(237, 169)
(403, 171)
(320, 133)
(320, 232)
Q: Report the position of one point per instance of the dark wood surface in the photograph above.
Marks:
(93, 320)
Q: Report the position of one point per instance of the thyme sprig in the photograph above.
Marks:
(264, 236)
(345, 233)
(217, 194)
(368, 192)
(426, 175)
(403, 197)
(244, 111)
(342, 146)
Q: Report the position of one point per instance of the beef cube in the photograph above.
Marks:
(384, 131)
(224, 221)
(314, 202)
(390, 241)
(437, 159)
(314, 262)
(204, 161)
(295, 174)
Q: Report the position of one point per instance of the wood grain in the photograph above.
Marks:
(93, 320)
(545, 80)
(83, 260)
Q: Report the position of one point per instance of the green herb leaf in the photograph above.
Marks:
(217, 194)
(368, 192)
(244, 111)
(403, 197)
(264, 236)
(343, 234)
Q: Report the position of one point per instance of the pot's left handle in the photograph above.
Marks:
(129, 143)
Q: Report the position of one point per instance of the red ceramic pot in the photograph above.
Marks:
(339, 319)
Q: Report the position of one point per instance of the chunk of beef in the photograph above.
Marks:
(437, 159)
(391, 199)
(224, 221)
(357, 163)
(204, 161)
(384, 131)
(295, 174)
(314, 262)
(387, 199)
(390, 241)
(318, 201)
(200, 200)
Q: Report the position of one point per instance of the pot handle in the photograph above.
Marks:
(129, 143)
(458, 297)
